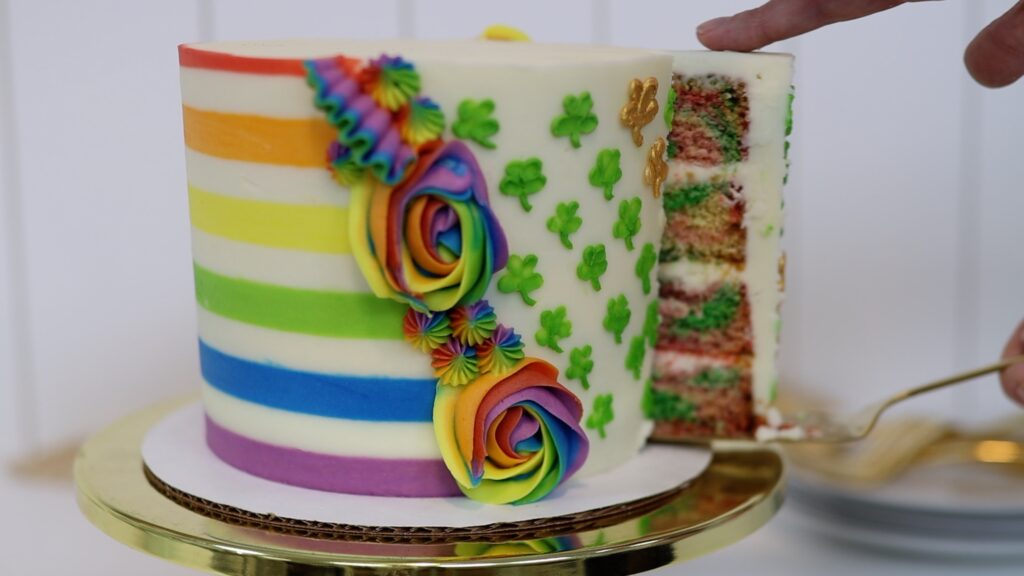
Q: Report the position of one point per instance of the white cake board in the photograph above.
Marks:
(175, 451)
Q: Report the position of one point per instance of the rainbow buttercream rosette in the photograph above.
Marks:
(432, 241)
(510, 438)
(423, 233)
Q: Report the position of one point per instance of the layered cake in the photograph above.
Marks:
(432, 268)
(721, 264)
(426, 268)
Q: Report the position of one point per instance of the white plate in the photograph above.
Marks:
(951, 510)
(962, 490)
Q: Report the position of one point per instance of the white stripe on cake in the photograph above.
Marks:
(332, 436)
(279, 96)
(264, 182)
(278, 266)
(313, 353)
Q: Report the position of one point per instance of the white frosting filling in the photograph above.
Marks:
(672, 362)
(699, 275)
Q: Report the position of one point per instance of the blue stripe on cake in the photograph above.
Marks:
(374, 398)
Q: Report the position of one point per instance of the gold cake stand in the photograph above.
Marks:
(739, 492)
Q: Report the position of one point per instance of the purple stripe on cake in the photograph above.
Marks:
(348, 474)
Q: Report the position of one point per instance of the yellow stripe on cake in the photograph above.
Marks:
(321, 229)
(284, 141)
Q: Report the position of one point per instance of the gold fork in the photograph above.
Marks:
(813, 426)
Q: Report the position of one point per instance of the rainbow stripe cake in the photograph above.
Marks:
(424, 269)
(431, 268)
(721, 265)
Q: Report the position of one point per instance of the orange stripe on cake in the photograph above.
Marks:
(249, 138)
(192, 57)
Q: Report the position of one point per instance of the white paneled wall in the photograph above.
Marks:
(260, 19)
(995, 252)
(880, 124)
(544, 20)
(101, 190)
(904, 206)
(11, 433)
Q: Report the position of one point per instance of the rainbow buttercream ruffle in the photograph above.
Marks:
(368, 136)
(432, 241)
(511, 439)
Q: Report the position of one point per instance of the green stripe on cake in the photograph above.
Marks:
(332, 314)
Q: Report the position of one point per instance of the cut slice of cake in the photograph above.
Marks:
(721, 260)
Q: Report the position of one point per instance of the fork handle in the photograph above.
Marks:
(968, 375)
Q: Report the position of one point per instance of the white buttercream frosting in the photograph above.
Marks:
(528, 84)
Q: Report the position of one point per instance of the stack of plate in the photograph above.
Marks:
(963, 510)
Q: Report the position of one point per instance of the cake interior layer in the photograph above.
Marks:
(711, 120)
(702, 378)
(711, 321)
(705, 222)
(701, 397)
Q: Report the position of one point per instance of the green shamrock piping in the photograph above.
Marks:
(593, 265)
(628, 224)
(565, 222)
(635, 356)
(520, 277)
(670, 107)
(617, 317)
(554, 326)
(645, 265)
(523, 178)
(607, 171)
(651, 322)
(601, 414)
(475, 122)
(577, 120)
(580, 365)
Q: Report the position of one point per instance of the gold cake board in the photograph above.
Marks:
(739, 492)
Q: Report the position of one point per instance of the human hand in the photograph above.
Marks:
(1013, 376)
(994, 58)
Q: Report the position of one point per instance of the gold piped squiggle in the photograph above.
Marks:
(641, 108)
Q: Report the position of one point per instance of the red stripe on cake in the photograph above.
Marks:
(192, 57)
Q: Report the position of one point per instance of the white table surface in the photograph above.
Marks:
(42, 515)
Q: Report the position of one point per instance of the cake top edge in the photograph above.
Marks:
(722, 55)
(458, 51)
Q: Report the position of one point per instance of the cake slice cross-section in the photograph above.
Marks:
(721, 261)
